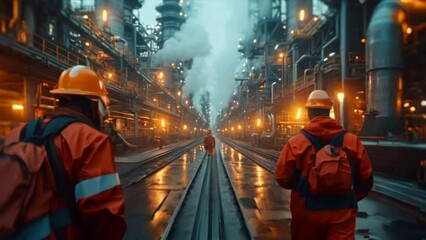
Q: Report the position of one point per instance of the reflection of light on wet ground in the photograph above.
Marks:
(259, 173)
(185, 159)
(240, 158)
(224, 149)
(160, 175)
(158, 217)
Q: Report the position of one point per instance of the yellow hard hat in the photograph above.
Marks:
(80, 80)
(319, 99)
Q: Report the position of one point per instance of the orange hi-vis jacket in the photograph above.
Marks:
(209, 144)
(293, 165)
(88, 158)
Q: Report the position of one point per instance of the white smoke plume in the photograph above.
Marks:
(190, 42)
(224, 21)
(210, 37)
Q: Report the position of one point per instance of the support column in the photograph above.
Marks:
(344, 61)
(136, 124)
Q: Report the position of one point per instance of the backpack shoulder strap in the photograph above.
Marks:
(63, 186)
(314, 140)
(34, 132)
(54, 127)
(337, 141)
(57, 124)
(30, 132)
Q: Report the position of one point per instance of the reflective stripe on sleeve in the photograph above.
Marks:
(42, 227)
(96, 185)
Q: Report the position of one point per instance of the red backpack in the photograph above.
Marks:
(31, 174)
(331, 172)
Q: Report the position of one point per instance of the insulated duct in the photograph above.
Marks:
(384, 65)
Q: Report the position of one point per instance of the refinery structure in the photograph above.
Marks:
(369, 55)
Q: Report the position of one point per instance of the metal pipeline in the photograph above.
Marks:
(15, 13)
(384, 64)
(298, 60)
(270, 135)
(336, 36)
(304, 75)
(274, 126)
(318, 81)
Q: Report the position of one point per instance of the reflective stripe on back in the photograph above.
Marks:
(96, 185)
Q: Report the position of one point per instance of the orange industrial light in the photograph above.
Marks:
(160, 75)
(258, 122)
(302, 15)
(105, 16)
(17, 107)
(298, 113)
(340, 96)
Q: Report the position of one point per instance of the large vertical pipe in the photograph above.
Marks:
(115, 18)
(384, 63)
(130, 31)
(136, 124)
(294, 57)
(344, 60)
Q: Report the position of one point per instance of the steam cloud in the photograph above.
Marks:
(190, 42)
(210, 37)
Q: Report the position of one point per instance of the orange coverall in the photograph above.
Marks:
(88, 159)
(209, 143)
(294, 163)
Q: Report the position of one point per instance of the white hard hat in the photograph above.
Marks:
(319, 99)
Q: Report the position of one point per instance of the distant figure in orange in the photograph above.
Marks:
(209, 143)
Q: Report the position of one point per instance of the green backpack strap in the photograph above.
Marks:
(31, 131)
(34, 132)
(57, 124)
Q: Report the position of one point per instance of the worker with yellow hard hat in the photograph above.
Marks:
(327, 217)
